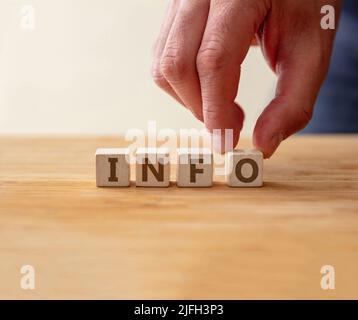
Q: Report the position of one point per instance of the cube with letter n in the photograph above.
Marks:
(152, 167)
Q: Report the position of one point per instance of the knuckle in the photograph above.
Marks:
(212, 57)
(173, 66)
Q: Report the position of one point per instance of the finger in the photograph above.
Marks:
(157, 75)
(230, 29)
(254, 42)
(291, 110)
(178, 62)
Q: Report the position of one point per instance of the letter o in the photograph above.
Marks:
(255, 170)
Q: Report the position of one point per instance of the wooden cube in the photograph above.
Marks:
(244, 168)
(152, 167)
(112, 167)
(195, 167)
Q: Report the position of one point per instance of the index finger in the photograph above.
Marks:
(230, 28)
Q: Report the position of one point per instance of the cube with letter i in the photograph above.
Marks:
(112, 167)
(152, 167)
(244, 168)
(195, 167)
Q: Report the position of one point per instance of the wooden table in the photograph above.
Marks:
(88, 242)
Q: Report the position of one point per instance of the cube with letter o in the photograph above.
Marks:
(244, 168)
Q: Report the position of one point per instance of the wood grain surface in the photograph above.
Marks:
(88, 242)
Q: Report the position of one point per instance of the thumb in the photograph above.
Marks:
(292, 108)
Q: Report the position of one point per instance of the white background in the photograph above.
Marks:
(85, 69)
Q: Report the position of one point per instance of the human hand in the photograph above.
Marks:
(203, 43)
